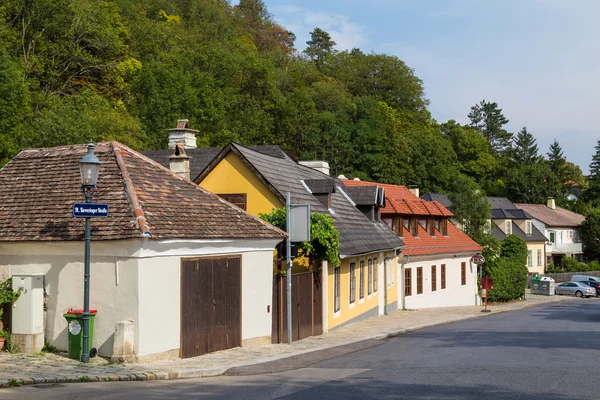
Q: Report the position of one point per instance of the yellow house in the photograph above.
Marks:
(364, 282)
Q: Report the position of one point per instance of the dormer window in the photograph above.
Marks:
(508, 227)
(398, 226)
(414, 227)
(437, 224)
(528, 227)
(444, 227)
(431, 226)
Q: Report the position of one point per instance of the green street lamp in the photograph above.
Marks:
(89, 167)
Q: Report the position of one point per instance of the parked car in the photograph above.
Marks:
(594, 284)
(583, 278)
(577, 289)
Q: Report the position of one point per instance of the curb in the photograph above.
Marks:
(20, 380)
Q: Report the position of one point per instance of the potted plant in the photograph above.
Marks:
(7, 296)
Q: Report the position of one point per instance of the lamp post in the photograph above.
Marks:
(89, 167)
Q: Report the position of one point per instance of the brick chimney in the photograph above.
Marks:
(321, 166)
(179, 162)
(414, 190)
(182, 134)
(551, 203)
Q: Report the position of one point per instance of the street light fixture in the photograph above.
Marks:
(89, 167)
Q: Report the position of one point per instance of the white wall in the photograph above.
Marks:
(113, 286)
(257, 294)
(454, 294)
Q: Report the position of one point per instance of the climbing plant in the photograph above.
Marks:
(325, 238)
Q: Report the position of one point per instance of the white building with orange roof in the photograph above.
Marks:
(435, 269)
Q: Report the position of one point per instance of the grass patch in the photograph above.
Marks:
(14, 383)
(84, 378)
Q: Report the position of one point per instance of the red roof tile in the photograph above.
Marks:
(39, 187)
(400, 201)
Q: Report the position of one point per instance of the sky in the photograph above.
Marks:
(538, 59)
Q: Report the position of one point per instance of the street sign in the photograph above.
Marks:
(478, 259)
(87, 210)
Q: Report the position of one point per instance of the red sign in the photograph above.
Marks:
(487, 283)
(478, 259)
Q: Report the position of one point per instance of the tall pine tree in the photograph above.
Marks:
(593, 192)
(557, 161)
(320, 46)
(488, 119)
(525, 150)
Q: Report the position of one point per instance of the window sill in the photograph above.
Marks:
(337, 314)
(351, 305)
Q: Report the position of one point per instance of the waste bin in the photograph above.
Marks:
(75, 327)
(536, 285)
(547, 286)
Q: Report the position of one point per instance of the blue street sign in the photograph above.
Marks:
(85, 210)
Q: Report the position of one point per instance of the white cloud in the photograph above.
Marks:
(301, 21)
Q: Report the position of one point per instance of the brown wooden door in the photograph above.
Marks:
(211, 306)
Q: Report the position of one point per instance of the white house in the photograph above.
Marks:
(191, 272)
(560, 227)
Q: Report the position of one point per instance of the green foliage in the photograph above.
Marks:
(470, 206)
(590, 236)
(509, 271)
(7, 294)
(487, 118)
(325, 238)
(525, 149)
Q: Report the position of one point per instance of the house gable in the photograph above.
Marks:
(232, 176)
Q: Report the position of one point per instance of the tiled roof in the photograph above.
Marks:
(39, 187)
(557, 218)
(455, 242)
(358, 234)
(399, 200)
(402, 202)
(200, 158)
(440, 198)
(536, 235)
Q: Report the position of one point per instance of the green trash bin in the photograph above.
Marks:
(536, 285)
(75, 328)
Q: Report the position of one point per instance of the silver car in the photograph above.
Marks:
(577, 289)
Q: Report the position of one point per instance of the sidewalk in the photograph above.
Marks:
(17, 369)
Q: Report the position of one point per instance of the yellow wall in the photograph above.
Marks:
(392, 291)
(360, 306)
(231, 175)
(534, 247)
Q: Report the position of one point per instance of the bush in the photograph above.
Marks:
(509, 271)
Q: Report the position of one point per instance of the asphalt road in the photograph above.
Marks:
(546, 352)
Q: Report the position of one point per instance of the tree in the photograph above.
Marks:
(593, 191)
(556, 159)
(470, 206)
(525, 149)
(590, 236)
(319, 47)
(509, 271)
(488, 120)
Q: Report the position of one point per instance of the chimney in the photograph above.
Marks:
(179, 162)
(321, 166)
(182, 134)
(551, 203)
(414, 189)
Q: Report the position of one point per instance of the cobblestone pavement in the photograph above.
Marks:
(18, 369)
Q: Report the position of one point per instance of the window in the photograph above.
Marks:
(419, 280)
(487, 228)
(529, 258)
(443, 276)
(431, 226)
(374, 276)
(361, 284)
(463, 273)
(444, 227)
(552, 237)
(576, 237)
(433, 278)
(336, 289)
(370, 281)
(352, 282)
(539, 257)
(423, 223)
(405, 224)
(397, 226)
(507, 227)
(528, 227)
(437, 224)
(237, 199)
(414, 227)
(389, 266)
(407, 282)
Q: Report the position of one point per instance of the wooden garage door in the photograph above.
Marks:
(211, 305)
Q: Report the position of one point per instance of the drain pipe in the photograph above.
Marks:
(405, 260)
(385, 283)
